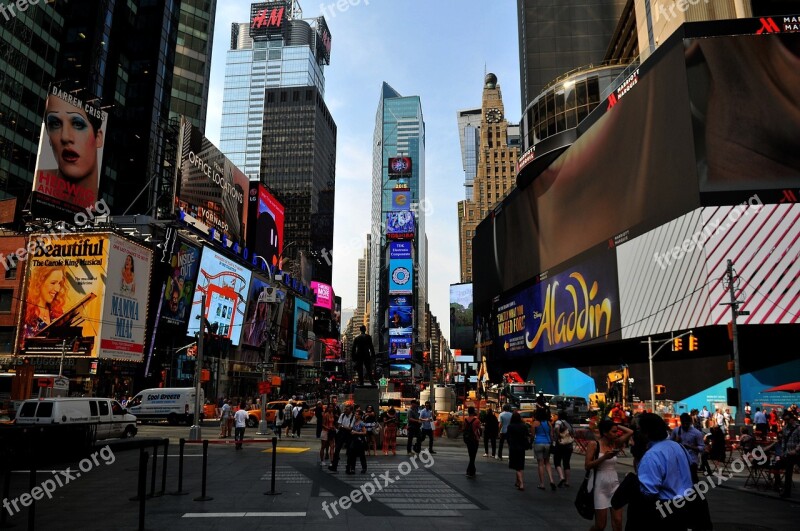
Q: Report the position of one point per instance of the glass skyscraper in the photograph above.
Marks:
(399, 131)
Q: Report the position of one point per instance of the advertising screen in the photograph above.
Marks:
(303, 329)
(401, 300)
(257, 317)
(461, 318)
(400, 225)
(211, 190)
(332, 349)
(579, 305)
(67, 174)
(400, 370)
(399, 166)
(399, 250)
(401, 277)
(122, 335)
(178, 294)
(225, 285)
(265, 224)
(324, 295)
(400, 320)
(401, 199)
(64, 294)
(400, 347)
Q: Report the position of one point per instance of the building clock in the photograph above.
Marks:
(494, 115)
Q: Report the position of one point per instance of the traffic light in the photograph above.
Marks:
(693, 343)
(660, 389)
(677, 344)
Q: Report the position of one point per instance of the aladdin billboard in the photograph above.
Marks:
(67, 174)
(90, 290)
(577, 306)
(212, 191)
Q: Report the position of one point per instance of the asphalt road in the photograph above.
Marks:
(407, 493)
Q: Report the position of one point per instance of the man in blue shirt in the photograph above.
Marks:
(689, 437)
(760, 420)
(425, 416)
(505, 420)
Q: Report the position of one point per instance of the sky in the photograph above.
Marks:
(438, 50)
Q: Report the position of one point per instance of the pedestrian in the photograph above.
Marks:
(358, 443)
(542, 443)
(319, 410)
(719, 419)
(760, 420)
(472, 437)
(287, 417)
(279, 420)
(363, 354)
(505, 419)
(225, 413)
(240, 418)
(343, 427)
(705, 415)
(518, 436)
(390, 431)
(490, 431)
(414, 425)
(790, 444)
(297, 419)
(690, 438)
(601, 459)
(370, 420)
(564, 435)
(327, 436)
(426, 428)
(747, 413)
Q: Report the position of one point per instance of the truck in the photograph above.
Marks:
(172, 404)
(513, 391)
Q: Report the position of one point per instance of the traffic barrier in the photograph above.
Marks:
(203, 496)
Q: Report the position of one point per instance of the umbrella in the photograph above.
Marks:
(785, 388)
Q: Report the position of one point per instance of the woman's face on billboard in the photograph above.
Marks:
(51, 287)
(73, 139)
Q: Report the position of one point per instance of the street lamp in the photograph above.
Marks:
(262, 424)
(651, 355)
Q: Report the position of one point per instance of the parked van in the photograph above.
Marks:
(173, 404)
(111, 418)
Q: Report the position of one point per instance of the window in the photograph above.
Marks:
(103, 407)
(11, 272)
(93, 408)
(6, 296)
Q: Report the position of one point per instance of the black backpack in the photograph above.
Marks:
(469, 432)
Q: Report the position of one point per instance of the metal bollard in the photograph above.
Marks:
(6, 491)
(142, 488)
(155, 469)
(274, 462)
(31, 485)
(179, 492)
(203, 496)
(164, 468)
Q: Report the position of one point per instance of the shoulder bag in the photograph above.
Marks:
(584, 501)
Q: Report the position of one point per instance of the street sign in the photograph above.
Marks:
(261, 366)
(745, 312)
(61, 382)
(264, 388)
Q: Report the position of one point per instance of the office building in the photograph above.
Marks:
(469, 122)
(495, 162)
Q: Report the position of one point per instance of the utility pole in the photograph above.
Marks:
(194, 431)
(737, 383)
(262, 425)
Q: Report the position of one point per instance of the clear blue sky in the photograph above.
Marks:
(437, 50)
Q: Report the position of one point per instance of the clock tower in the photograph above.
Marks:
(496, 171)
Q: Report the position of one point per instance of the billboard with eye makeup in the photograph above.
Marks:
(70, 158)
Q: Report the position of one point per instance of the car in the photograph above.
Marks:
(254, 414)
(576, 407)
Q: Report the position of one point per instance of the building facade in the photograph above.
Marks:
(494, 168)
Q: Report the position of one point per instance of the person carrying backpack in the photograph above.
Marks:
(472, 437)
(565, 437)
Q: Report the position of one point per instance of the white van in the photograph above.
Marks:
(171, 403)
(110, 417)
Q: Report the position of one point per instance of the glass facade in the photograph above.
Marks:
(30, 45)
(399, 131)
(469, 134)
(251, 67)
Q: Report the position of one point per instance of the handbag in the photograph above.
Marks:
(376, 429)
(584, 500)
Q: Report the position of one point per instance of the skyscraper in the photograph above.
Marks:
(556, 36)
(469, 122)
(495, 161)
(399, 134)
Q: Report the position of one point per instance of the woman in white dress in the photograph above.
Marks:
(604, 479)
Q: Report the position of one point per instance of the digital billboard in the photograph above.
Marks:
(303, 329)
(400, 370)
(269, 18)
(399, 166)
(461, 318)
(400, 347)
(70, 159)
(122, 334)
(399, 250)
(401, 320)
(401, 199)
(401, 300)
(265, 224)
(179, 290)
(211, 190)
(401, 277)
(225, 285)
(324, 295)
(400, 225)
(257, 316)
(576, 306)
(332, 349)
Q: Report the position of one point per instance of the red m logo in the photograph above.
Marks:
(612, 100)
(768, 25)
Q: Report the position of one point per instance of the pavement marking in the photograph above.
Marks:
(286, 450)
(241, 515)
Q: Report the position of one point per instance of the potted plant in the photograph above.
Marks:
(452, 427)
